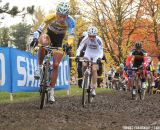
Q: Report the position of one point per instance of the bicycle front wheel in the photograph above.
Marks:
(142, 92)
(85, 87)
(43, 97)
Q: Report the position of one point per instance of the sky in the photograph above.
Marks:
(44, 4)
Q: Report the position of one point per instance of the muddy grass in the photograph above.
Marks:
(110, 111)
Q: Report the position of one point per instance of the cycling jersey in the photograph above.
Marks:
(138, 57)
(110, 74)
(118, 72)
(51, 22)
(55, 29)
(94, 49)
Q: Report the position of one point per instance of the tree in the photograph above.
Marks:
(151, 9)
(110, 17)
(20, 34)
(14, 11)
(38, 18)
(4, 37)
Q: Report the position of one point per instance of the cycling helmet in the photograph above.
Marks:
(92, 31)
(138, 45)
(149, 59)
(63, 8)
(121, 65)
(84, 34)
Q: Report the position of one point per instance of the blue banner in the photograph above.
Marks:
(5, 70)
(19, 69)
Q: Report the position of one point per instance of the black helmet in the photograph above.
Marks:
(138, 45)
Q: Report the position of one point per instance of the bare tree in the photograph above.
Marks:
(151, 10)
(14, 11)
(111, 18)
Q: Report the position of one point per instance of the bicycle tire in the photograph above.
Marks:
(85, 84)
(142, 94)
(42, 97)
(141, 91)
(44, 92)
(133, 95)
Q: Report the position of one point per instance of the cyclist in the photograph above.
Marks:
(118, 74)
(110, 76)
(94, 50)
(129, 74)
(138, 55)
(57, 25)
(138, 60)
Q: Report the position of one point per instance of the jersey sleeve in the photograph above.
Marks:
(99, 40)
(71, 24)
(49, 18)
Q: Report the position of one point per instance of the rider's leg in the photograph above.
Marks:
(43, 40)
(57, 59)
(94, 79)
(144, 79)
(41, 55)
(84, 64)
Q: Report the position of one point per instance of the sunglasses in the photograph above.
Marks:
(90, 36)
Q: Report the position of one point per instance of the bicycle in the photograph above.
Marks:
(138, 84)
(45, 77)
(86, 81)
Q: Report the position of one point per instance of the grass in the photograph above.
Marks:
(28, 96)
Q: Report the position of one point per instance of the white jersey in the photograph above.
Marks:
(94, 49)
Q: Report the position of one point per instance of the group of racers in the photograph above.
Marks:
(52, 32)
(137, 60)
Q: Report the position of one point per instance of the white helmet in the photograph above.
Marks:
(84, 34)
(63, 8)
(92, 31)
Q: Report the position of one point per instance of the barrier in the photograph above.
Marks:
(17, 71)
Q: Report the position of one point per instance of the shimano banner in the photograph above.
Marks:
(5, 70)
(17, 71)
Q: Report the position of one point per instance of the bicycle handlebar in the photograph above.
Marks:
(50, 48)
(134, 68)
(81, 59)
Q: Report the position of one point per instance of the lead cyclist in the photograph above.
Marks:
(57, 24)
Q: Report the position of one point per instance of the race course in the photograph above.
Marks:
(110, 111)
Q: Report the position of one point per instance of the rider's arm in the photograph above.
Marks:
(71, 24)
(82, 44)
(99, 40)
(45, 22)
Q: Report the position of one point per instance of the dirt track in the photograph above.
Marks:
(110, 111)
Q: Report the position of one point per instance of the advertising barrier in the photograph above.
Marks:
(17, 71)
